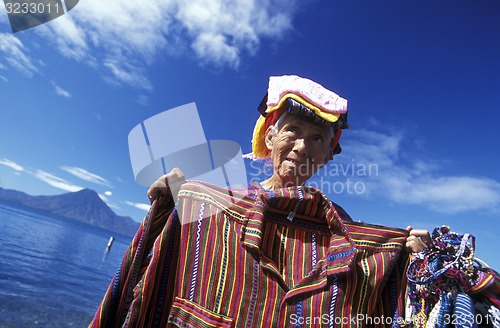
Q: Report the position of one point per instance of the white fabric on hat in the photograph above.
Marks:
(309, 90)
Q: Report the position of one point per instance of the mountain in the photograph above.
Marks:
(83, 206)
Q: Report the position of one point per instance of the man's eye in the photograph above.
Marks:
(319, 139)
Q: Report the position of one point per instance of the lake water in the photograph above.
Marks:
(53, 272)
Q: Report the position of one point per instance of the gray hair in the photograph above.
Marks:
(279, 122)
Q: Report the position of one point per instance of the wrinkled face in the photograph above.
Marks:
(298, 149)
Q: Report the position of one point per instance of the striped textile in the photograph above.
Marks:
(240, 259)
(113, 310)
(463, 312)
(445, 319)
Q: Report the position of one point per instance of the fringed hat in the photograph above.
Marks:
(297, 95)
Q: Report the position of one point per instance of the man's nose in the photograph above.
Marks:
(300, 146)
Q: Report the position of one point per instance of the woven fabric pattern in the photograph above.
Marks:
(218, 262)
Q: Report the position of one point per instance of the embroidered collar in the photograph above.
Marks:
(312, 210)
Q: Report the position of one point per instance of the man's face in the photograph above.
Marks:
(298, 149)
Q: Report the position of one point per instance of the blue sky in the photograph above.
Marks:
(422, 79)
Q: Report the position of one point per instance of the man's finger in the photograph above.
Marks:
(422, 234)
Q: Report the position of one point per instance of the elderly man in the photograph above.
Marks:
(277, 254)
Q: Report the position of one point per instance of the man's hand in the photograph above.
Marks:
(168, 185)
(418, 240)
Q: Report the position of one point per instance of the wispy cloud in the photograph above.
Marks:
(55, 181)
(141, 206)
(60, 183)
(113, 206)
(86, 175)
(406, 179)
(447, 194)
(108, 202)
(11, 164)
(41, 175)
(15, 54)
(122, 38)
(60, 91)
(69, 38)
(124, 72)
(143, 100)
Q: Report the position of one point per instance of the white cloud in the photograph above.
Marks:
(406, 179)
(214, 48)
(113, 206)
(121, 38)
(55, 181)
(127, 73)
(108, 193)
(3, 78)
(12, 165)
(445, 194)
(60, 91)
(222, 31)
(141, 206)
(41, 175)
(105, 199)
(15, 54)
(86, 175)
(143, 100)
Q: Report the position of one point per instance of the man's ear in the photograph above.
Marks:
(268, 137)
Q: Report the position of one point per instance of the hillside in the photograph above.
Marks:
(82, 206)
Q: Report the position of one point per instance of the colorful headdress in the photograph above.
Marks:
(297, 95)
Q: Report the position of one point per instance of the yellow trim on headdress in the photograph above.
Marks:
(330, 117)
(259, 148)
